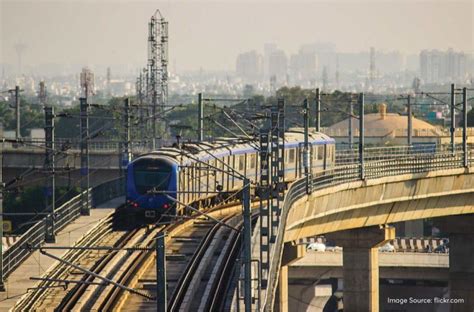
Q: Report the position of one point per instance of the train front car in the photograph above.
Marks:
(150, 178)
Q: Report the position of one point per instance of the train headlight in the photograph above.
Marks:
(166, 206)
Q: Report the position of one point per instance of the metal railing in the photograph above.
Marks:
(379, 163)
(64, 215)
(15, 255)
(74, 144)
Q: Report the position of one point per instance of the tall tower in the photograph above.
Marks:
(372, 66)
(87, 82)
(109, 91)
(157, 83)
(325, 78)
(42, 93)
(20, 49)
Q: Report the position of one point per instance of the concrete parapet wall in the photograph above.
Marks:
(381, 201)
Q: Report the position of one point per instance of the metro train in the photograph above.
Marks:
(197, 174)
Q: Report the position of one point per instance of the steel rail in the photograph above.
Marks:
(112, 297)
(217, 298)
(185, 280)
(27, 303)
(71, 299)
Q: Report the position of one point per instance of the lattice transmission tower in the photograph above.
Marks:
(157, 70)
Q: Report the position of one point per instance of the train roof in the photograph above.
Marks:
(220, 147)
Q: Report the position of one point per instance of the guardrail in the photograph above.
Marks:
(379, 162)
(64, 215)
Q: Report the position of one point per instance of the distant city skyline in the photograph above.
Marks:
(210, 35)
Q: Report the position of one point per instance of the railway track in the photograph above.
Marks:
(200, 265)
(47, 288)
(67, 288)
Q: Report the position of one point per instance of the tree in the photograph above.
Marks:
(31, 116)
(470, 118)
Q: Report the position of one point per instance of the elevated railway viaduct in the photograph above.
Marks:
(356, 215)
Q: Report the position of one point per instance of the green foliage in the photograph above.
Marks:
(31, 116)
(101, 121)
(32, 200)
(470, 118)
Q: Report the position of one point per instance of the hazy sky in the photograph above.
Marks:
(210, 34)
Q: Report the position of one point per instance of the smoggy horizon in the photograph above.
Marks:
(210, 35)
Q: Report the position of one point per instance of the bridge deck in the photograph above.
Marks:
(36, 264)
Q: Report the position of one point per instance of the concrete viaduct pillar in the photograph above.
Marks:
(361, 265)
(291, 253)
(461, 259)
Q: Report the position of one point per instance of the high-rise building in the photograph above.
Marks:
(303, 66)
(443, 66)
(278, 65)
(249, 66)
(268, 49)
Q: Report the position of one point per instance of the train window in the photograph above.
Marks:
(253, 161)
(292, 155)
(241, 162)
(320, 152)
(151, 174)
(329, 152)
(315, 152)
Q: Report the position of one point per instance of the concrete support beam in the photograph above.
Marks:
(291, 253)
(311, 297)
(361, 266)
(283, 287)
(461, 259)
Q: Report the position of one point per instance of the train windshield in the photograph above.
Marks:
(151, 174)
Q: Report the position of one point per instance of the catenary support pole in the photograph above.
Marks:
(17, 112)
(200, 118)
(2, 284)
(318, 110)
(361, 135)
(464, 128)
(247, 246)
(49, 167)
(452, 129)
(409, 120)
(84, 135)
(161, 295)
(125, 144)
(306, 153)
(351, 134)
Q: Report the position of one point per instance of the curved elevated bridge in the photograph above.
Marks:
(354, 205)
